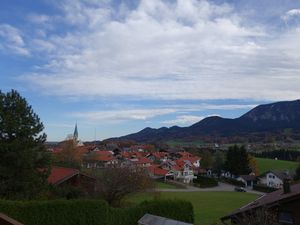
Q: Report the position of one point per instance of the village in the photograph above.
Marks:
(175, 165)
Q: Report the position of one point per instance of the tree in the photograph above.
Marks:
(207, 159)
(69, 156)
(237, 161)
(113, 184)
(218, 163)
(24, 162)
(253, 165)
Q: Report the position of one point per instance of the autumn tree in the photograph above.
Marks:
(113, 184)
(69, 156)
(24, 161)
(253, 165)
(237, 161)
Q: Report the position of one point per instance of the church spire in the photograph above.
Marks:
(75, 135)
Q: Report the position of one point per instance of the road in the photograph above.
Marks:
(221, 187)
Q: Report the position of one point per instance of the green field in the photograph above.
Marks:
(175, 143)
(163, 185)
(208, 206)
(271, 164)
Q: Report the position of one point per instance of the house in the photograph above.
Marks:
(283, 203)
(100, 159)
(275, 179)
(142, 161)
(149, 219)
(248, 180)
(158, 156)
(156, 172)
(62, 177)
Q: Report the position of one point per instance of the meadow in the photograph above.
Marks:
(272, 164)
(209, 207)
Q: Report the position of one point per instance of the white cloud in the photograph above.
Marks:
(11, 40)
(185, 49)
(122, 115)
(184, 120)
(291, 14)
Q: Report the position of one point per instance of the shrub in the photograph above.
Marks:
(263, 188)
(233, 182)
(92, 212)
(205, 182)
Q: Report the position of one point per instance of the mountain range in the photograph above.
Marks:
(268, 118)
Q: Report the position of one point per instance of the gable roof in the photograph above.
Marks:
(268, 199)
(60, 174)
(156, 170)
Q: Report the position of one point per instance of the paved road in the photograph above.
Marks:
(221, 187)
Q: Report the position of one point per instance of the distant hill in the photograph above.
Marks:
(271, 118)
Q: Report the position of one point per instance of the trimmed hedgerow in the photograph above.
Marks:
(205, 182)
(263, 188)
(233, 182)
(92, 212)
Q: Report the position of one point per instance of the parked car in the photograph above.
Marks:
(240, 189)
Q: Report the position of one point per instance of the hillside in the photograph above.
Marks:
(270, 118)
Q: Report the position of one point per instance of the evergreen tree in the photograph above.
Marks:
(218, 163)
(237, 161)
(24, 162)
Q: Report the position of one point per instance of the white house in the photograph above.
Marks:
(275, 179)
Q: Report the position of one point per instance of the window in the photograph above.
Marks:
(286, 218)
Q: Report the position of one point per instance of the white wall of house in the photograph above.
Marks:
(197, 163)
(273, 181)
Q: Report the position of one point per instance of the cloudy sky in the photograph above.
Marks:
(118, 66)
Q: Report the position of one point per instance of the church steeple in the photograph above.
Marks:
(75, 135)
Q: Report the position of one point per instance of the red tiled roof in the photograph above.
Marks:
(143, 160)
(185, 154)
(103, 152)
(160, 155)
(59, 174)
(191, 159)
(125, 154)
(56, 150)
(104, 158)
(157, 171)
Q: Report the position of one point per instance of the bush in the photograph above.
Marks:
(263, 188)
(92, 212)
(205, 182)
(233, 182)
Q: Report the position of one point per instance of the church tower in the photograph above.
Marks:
(75, 135)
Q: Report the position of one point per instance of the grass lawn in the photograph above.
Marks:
(272, 164)
(163, 185)
(208, 206)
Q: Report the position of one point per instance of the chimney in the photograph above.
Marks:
(286, 186)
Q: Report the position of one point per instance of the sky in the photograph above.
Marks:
(115, 67)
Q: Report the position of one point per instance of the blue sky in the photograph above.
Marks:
(116, 67)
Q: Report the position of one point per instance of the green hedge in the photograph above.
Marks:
(205, 182)
(233, 182)
(263, 188)
(92, 212)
